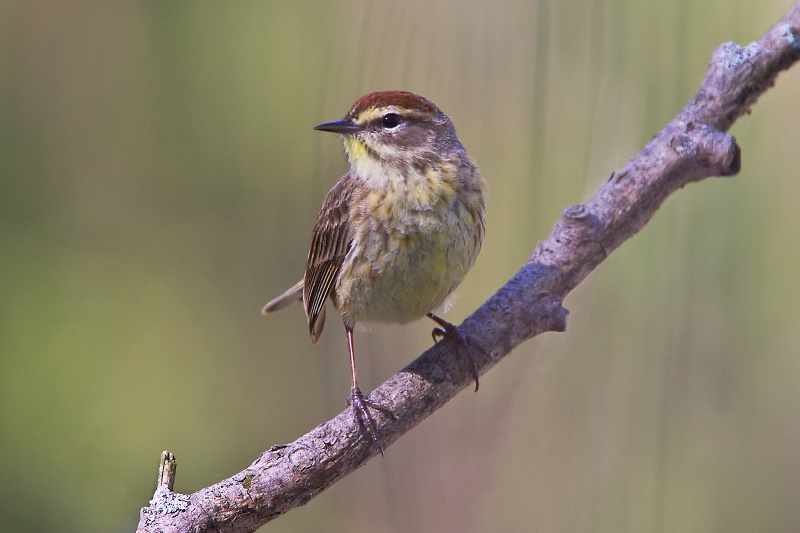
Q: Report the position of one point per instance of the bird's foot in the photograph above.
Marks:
(364, 420)
(467, 344)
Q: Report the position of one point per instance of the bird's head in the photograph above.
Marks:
(395, 127)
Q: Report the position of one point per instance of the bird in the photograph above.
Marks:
(398, 232)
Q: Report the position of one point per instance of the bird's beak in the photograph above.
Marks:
(343, 127)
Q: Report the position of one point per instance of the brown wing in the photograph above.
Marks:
(329, 245)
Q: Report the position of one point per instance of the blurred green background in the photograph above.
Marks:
(159, 180)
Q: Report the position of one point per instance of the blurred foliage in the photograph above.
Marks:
(159, 180)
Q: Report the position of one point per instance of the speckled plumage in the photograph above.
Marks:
(398, 232)
(393, 240)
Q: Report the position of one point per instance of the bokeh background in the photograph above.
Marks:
(159, 180)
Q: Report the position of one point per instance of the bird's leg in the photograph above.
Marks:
(446, 329)
(361, 404)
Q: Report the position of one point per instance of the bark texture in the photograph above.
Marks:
(692, 147)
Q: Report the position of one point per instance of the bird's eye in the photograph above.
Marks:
(391, 120)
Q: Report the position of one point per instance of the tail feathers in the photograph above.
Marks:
(294, 294)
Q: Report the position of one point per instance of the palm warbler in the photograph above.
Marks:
(399, 231)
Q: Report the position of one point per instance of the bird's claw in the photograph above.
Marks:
(468, 345)
(363, 418)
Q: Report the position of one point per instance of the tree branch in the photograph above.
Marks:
(692, 147)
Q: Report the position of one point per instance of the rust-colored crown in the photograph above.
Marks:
(401, 99)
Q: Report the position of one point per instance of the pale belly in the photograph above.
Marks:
(402, 276)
